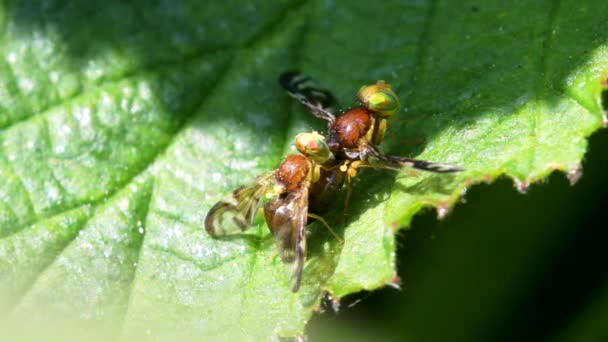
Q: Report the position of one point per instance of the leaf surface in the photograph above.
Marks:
(121, 125)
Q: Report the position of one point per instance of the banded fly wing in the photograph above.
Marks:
(302, 88)
(235, 212)
(286, 217)
(413, 163)
(426, 165)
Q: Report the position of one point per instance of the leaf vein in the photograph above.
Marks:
(275, 23)
(535, 116)
(11, 78)
(28, 197)
(578, 101)
(185, 257)
(249, 286)
(30, 286)
(139, 251)
(145, 166)
(109, 81)
(422, 53)
(48, 135)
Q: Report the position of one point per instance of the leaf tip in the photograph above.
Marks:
(395, 282)
(574, 174)
(442, 211)
(521, 186)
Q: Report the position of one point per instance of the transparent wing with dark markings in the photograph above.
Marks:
(302, 88)
(414, 163)
(287, 216)
(235, 212)
(426, 165)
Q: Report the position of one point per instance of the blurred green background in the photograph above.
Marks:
(503, 266)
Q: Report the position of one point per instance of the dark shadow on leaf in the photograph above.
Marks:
(250, 239)
(491, 71)
(522, 251)
(149, 32)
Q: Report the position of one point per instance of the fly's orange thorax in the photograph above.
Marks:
(349, 128)
(292, 172)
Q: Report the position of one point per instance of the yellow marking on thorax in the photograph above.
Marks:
(380, 131)
(314, 174)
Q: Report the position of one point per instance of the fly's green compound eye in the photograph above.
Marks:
(313, 145)
(379, 98)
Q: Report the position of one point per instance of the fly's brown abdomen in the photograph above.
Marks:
(292, 172)
(348, 129)
(323, 192)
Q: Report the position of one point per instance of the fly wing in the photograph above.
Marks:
(286, 217)
(413, 163)
(303, 89)
(235, 213)
(426, 165)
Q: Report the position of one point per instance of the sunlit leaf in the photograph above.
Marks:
(121, 124)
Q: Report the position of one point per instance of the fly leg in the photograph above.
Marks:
(350, 168)
(322, 220)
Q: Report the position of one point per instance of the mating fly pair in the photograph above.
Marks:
(354, 136)
(303, 184)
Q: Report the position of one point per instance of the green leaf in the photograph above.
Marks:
(121, 124)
